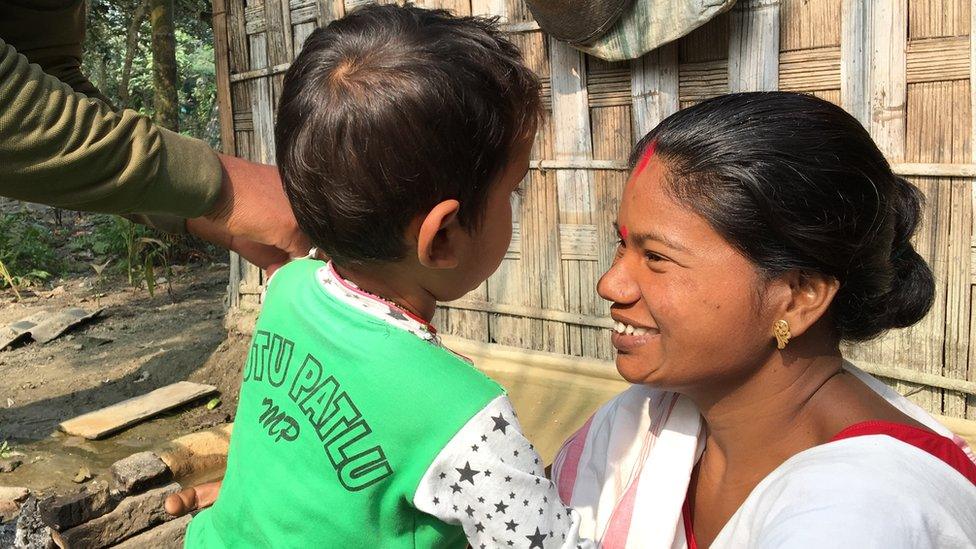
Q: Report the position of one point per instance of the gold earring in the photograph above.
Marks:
(781, 329)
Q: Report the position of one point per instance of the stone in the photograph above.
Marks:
(138, 472)
(133, 515)
(63, 512)
(10, 499)
(31, 532)
(199, 454)
(8, 465)
(7, 532)
(170, 534)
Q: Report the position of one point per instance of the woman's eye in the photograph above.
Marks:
(653, 257)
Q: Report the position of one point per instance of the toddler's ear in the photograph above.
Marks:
(437, 236)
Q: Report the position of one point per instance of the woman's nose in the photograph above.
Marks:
(617, 286)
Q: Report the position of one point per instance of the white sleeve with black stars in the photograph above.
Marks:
(491, 481)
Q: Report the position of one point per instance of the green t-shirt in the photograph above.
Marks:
(341, 414)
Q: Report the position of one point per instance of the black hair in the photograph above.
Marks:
(796, 183)
(390, 110)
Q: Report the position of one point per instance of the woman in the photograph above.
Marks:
(759, 231)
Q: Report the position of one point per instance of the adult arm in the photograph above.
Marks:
(60, 148)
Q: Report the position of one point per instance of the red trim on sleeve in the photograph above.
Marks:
(933, 443)
(689, 530)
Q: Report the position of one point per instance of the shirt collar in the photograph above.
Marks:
(387, 311)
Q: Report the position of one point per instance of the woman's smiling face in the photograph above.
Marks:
(693, 300)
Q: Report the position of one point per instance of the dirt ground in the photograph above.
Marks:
(138, 343)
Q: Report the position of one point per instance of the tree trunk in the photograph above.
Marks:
(165, 101)
(131, 47)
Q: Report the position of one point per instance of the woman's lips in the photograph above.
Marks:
(626, 337)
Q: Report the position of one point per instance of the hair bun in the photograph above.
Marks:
(912, 289)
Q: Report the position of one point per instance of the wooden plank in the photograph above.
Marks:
(710, 42)
(101, 423)
(916, 378)
(578, 241)
(888, 84)
(924, 169)
(938, 59)
(855, 58)
(571, 141)
(330, 10)
(302, 32)
(703, 80)
(276, 35)
(937, 131)
(915, 169)
(286, 28)
(959, 293)
(515, 246)
(810, 69)
(509, 283)
(304, 11)
(919, 348)
(613, 138)
(608, 86)
(754, 46)
(971, 374)
(260, 73)
(654, 88)
(811, 24)
(971, 400)
(490, 7)
(933, 18)
(225, 108)
(261, 104)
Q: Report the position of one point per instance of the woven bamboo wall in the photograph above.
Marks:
(903, 67)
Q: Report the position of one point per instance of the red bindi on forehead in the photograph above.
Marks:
(624, 232)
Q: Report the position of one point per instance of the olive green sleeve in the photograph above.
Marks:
(60, 148)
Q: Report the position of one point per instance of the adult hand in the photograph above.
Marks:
(192, 499)
(252, 216)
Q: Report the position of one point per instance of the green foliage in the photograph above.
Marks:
(27, 250)
(105, 49)
(5, 450)
(142, 251)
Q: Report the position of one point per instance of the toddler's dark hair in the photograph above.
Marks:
(795, 182)
(390, 110)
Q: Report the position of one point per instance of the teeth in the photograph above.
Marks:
(627, 329)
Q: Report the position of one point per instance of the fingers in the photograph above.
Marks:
(262, 255)
(192, 499)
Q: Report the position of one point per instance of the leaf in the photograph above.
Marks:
(99, 269)
(213, 403)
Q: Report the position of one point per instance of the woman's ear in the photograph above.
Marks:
(810, 298)
(437, 246)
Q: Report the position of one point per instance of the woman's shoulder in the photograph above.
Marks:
(872, 489)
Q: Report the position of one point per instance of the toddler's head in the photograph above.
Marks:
(401, 135)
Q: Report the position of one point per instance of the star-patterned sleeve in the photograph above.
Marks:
(490, 480)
